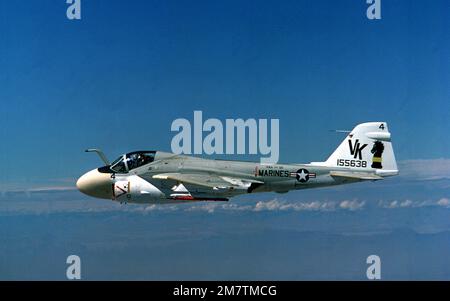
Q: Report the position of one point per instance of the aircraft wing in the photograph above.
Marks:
(208, 180)
(355, 175)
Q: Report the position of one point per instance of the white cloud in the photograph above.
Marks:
(352, 205)
(443, 202)
(425, 169)
(41, 189)
(208, 207)
(280, 205)
(406, 203)
(276, 205)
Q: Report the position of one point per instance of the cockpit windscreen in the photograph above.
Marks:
(133, 160)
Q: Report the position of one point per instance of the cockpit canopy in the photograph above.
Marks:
(132, 160)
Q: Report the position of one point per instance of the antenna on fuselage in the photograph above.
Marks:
(340, 131)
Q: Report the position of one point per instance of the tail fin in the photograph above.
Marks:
(367, 147)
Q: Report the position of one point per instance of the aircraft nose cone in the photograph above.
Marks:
(96, 184)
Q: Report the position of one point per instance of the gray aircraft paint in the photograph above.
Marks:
(172, 178)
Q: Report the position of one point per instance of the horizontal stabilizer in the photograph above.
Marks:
(355, 175)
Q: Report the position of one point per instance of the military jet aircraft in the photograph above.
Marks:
(159, 177)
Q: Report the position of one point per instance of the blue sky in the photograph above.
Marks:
(118, 78)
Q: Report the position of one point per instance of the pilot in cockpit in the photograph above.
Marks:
(141, 159)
